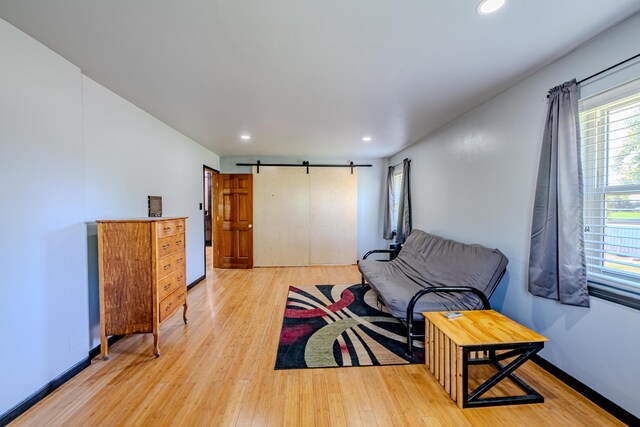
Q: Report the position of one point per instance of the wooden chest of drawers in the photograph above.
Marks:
(142, 268)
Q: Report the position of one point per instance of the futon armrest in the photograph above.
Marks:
(378, 251)
(447, 289)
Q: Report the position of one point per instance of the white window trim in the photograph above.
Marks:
(616, 288)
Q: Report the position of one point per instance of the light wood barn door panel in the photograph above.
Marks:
(333, 215)
(281, 216)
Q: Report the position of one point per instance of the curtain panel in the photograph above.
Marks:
(403, 228)
(557, 268)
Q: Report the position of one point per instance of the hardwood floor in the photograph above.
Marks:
(218, 371)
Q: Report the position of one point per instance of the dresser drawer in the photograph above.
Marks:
(180, 226)
(171, 263)
(178, 241)
(169, 228)
(166, 266)
(171, 303)
(166, 246)
(170, 283)
(179, 259)
(170, 244)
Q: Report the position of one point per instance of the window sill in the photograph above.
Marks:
(616, 295)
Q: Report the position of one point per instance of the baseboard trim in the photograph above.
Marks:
(609, 406)
(43, 392)
(606, 404)
(195, 282)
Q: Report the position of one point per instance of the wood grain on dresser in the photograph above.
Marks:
(142, 269)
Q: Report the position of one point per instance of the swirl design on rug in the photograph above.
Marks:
(340, 325)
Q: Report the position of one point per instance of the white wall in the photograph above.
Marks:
(474, 181)
(43, 314)
(54, 180)
(371, 182)
(130, 155)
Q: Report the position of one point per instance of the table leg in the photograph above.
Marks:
(523, 351)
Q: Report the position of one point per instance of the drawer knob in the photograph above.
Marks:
(178, 242)
(168, 307)
(165, 246)
(167, 287)
(166, 267)
(167, 229)
(180, 296)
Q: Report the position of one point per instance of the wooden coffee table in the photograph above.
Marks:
(479, 337)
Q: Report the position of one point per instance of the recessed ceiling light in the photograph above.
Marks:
(366, 138)
(245, 137)
(489, 6)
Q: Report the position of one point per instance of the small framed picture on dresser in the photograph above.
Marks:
(155, 206)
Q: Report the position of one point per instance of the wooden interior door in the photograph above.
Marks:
(234, 220)
(211, 255)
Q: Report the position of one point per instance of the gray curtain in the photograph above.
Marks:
(388, 232)
(556, 259)
(404, 209)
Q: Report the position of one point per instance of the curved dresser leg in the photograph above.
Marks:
(184, 314)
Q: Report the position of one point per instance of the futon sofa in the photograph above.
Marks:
(431, 273)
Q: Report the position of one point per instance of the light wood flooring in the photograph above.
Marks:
(218, 371)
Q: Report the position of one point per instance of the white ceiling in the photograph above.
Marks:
(310, 78)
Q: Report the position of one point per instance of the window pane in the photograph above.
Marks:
(624, 146)
(397, 189)
(622, 233)
(611, 171)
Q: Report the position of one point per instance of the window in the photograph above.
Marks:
(397, 191)
(610, 134)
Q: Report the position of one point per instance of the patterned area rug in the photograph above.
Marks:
(328, 326)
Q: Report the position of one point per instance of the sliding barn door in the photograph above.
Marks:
(234, 220)
(281, 209)
(333, 215)
(305, 219)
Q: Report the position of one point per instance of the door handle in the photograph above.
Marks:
(250, 226)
